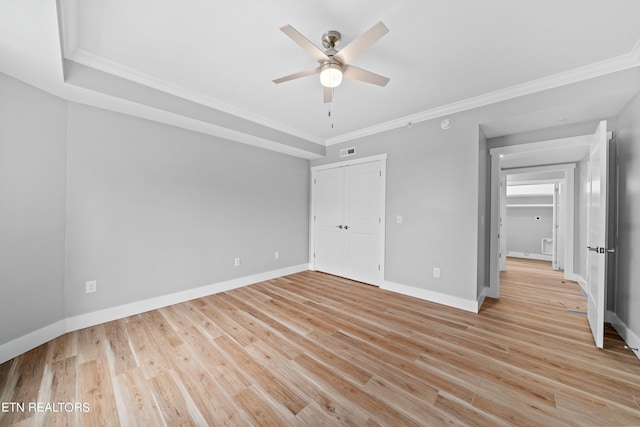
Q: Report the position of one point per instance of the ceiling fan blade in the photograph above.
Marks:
(356, 73)
(297, 75)
(346, 54)
(328, 94)
(304, 43)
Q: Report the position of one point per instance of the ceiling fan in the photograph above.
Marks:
(335, 64)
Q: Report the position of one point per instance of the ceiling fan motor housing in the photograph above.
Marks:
(331, 39)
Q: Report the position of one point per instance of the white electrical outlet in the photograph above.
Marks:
(90, 287)
(276, 255)
(399, 219)
(236, 262)
(436, 272)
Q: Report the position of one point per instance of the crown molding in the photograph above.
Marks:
(72, 51)
(590, 71)
(100, 63)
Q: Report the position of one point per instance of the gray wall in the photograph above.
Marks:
(144, 208)
(627, 302)
(153, 209)
(32, 208)
(524, 232)
(432, 181)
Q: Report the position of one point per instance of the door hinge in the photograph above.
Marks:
(379, 267)
(314, 181)
(380, 173)
(379, 220)
(314, 217)
(314, 254)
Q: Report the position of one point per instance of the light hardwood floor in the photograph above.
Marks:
(313, 349)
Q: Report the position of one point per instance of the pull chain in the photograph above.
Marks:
(329, 113)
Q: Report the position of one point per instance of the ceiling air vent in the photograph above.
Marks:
(346, 152)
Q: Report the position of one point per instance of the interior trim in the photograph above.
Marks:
(437, 297)
(33, 339)
(71, 51)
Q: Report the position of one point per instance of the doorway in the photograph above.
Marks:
(534, 220)
(594, 189)
(553, 160)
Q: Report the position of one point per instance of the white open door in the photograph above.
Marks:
(597, 258)
(554, 228)
(502, 229)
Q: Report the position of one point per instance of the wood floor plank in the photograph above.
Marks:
(90, 343)
(272, 385)
(175, 403)
(198, 319)
(466, 414)
(62, 389)
(29, 372)
(146, 352)
(315, 349)
(119, 354)
(95, 388)
(136, 403)
(220, 366)
(371, 404)
(351, 370)
(335, 406)
(210, 399)
(62, 347)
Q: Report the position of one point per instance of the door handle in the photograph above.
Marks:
(339, 226)
(601, 250)
(346, 227)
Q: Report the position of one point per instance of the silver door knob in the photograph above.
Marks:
(339, 226)
(346, 227)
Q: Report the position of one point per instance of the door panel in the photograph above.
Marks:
(329, 216)
(363, 218)
(351, 197)
(598, 226)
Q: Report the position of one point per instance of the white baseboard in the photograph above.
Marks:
(577, 278)
(31, 340)
(540, 257)
(27, 342)
(625, 332)
(437, 297)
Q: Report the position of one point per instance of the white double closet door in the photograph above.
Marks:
(348, 221)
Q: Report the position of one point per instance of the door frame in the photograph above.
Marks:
(496, 171)
(382, 158)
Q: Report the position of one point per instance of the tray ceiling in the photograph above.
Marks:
(442, 57)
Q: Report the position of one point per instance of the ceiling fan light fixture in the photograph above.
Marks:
(331, 74)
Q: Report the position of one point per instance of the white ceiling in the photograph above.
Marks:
(441, 56)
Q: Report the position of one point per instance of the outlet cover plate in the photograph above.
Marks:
(90, 287)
